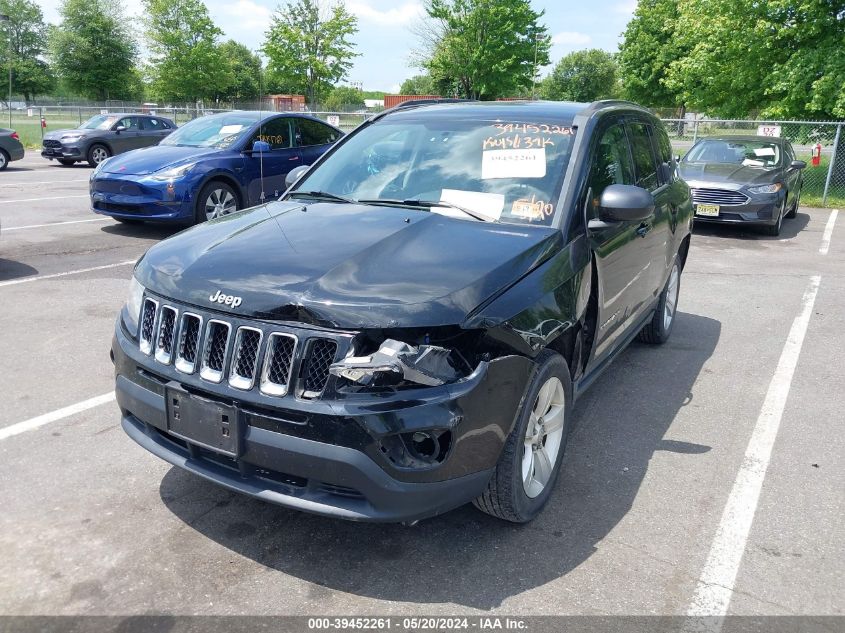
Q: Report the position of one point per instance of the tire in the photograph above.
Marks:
(774, 229)
(64, 162)
(4, 159)
(97, 153)
(216, 199)
(658, 330)
(794, 210)
(510, 495)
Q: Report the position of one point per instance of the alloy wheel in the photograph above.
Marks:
(218, 203)
(2, 160)
(99, 154)
(543, 437)
(671, 298)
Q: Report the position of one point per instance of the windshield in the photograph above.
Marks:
(750, 153)
(99, 122)
(216, 130)
(508, 171)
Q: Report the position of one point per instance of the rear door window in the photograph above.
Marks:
(310, 132)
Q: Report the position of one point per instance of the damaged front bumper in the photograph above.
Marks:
(377, 456)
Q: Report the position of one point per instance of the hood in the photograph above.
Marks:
(147, 160)
(728, 174)
(56, 135)
(345, 265)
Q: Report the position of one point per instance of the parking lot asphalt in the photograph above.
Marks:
(704, 471)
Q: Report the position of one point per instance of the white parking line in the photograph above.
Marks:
(53, 416)
(828, 232)
(41, 182)
(24, 280)
(715, 585)
(38, 199)
(38, 226)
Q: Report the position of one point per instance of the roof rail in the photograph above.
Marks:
(418, 103)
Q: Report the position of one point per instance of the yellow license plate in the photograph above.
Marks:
(708, 210)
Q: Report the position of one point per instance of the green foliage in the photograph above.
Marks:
(309, 47)
(245, 72)
(418, 85)
(483, 49)
(27, 35)
(344, 98)
(585, 75)
(738, 58)
(650, 45)
(186, 62)
(93, 50)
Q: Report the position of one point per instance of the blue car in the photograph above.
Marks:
(210, 167)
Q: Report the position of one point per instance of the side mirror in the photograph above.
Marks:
(677, 158)
(797, 164)
(295, 174)
(259, 147)
(625, 203)
(120, 128)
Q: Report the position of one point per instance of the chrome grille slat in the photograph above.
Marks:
(166, 334)
(321, 353)
(147, 327)
(278, 363)
(725, 197)
(190, 327)
(213, 363)
(245, 357)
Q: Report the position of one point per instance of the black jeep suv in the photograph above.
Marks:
(407, 328)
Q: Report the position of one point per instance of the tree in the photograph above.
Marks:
(344, 98)
(308, 47)
(483, 49)
(27, 35)
(418, 85)
(93, 50)
(581, 76)
(245, 72)
(650, 44)
(186, 62)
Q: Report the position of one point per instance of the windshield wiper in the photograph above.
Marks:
(320, 195)
(428, 204)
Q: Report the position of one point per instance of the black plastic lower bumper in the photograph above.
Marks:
(295, 472)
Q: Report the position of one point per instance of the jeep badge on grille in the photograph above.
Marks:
(229, 300)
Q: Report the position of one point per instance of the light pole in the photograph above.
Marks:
(537, 38)
(6, 18)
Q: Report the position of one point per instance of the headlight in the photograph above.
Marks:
(173, 173)
(132, 309)
(767, 188)
(72, 137)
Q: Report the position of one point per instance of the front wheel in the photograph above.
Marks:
(794, 210)
(97, 154)
(4, 160)
(216, 199)
(530, 461)
(774, 229)
(657, 331)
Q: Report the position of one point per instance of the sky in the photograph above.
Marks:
(385, 39)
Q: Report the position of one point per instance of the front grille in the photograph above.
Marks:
(189, 338)
(214, 356)
(245, 358)
(51, 143)
(320, 356)
(148, 318)
(118, 208)
(278, 364)
(718, 196)
(166, 334)
(237, 353)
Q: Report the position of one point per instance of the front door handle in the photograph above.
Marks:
(294, 158)
(643, 228)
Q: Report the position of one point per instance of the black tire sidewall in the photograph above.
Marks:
(205, 191)
(6, 160)
(552, 364)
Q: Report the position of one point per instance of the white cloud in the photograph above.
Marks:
(625, 8)
(247, 21)
(571, 39)
(395, 16)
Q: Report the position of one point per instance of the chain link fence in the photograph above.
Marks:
(824, 177)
